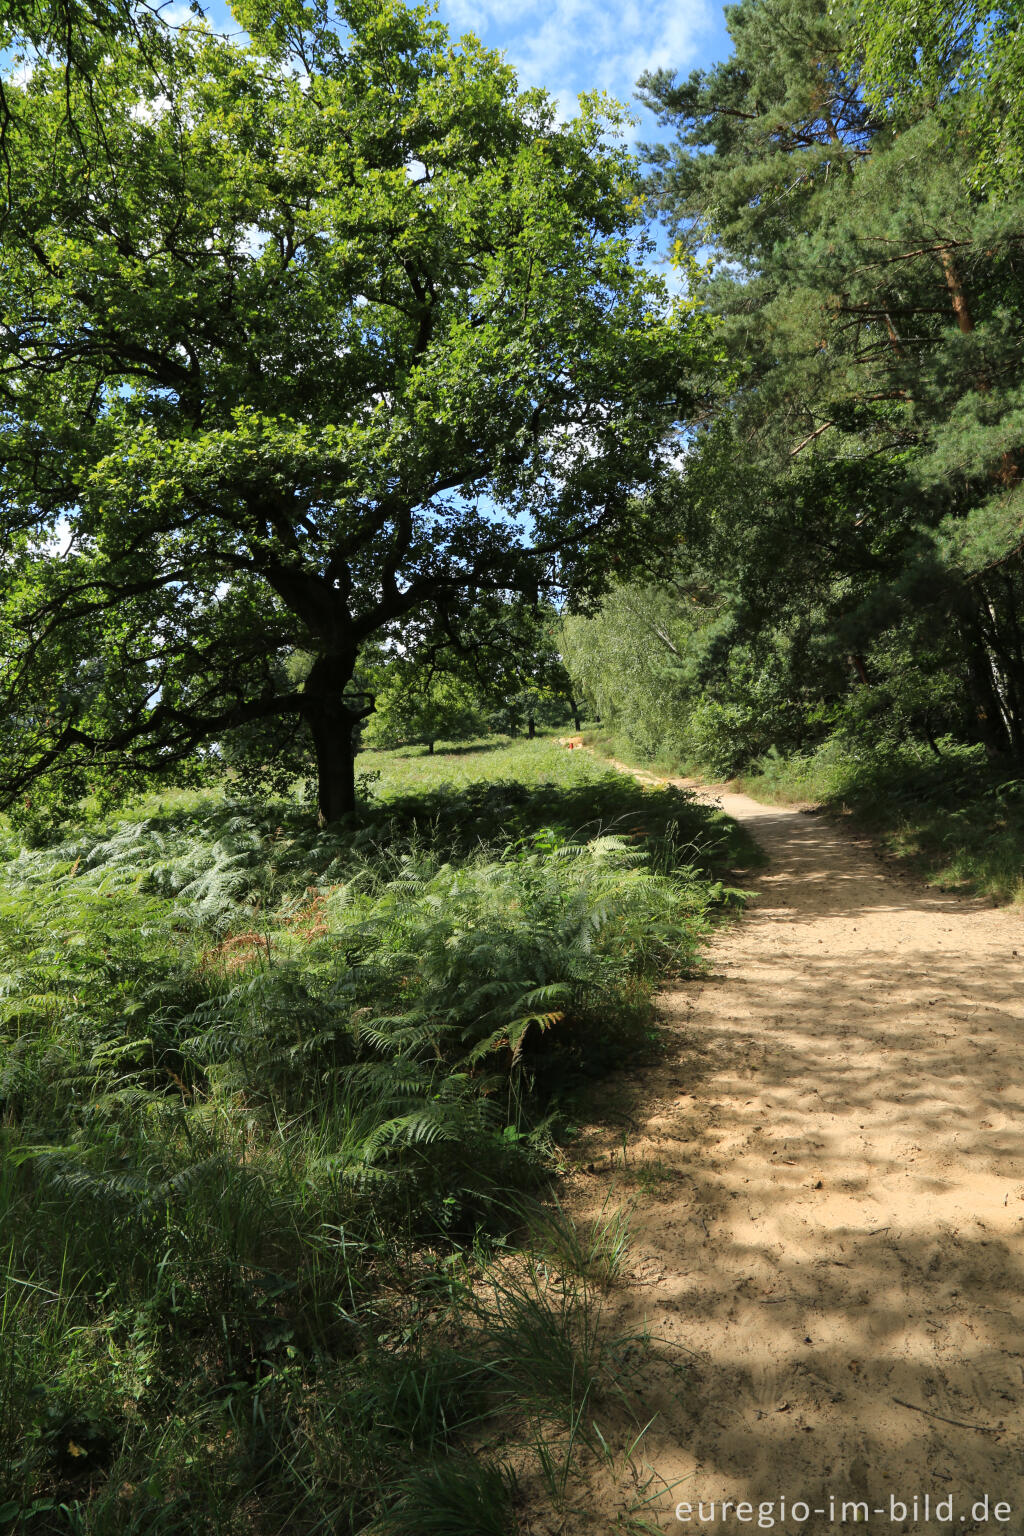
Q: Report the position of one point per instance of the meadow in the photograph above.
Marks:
(283, 1113)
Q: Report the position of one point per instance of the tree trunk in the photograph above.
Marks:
(857, 663)
(961, 308)
(989, 726)
(335, 766)
(1005, 668)
(430, 749)
(331, 723)
(1009, 471)
(531, 728)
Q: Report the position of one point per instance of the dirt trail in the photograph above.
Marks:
(831, 1214)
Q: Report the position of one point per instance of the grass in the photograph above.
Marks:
(280, 1109)
(953, 819)
(609, 744)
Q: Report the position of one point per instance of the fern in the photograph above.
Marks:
(249, 1193)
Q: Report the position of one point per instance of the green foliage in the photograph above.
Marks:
(74, 32)
(919, 52)
(849, 507)
(416, 705)
(499, 661)
(679, 678)
(300, 337)
(274, 1101)
(527, 681)
(632, 666)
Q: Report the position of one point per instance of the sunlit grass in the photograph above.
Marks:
(497, 757)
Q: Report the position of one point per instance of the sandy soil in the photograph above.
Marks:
(830, 1218)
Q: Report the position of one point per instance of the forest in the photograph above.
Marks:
(388, 459)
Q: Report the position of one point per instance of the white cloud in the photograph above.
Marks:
(178, 15)
(569, 46)
(251, 239)
(20, 75)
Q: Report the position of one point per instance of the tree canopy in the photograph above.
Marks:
(917, 54)
(850, 503)
(417, 705)
(298, 339)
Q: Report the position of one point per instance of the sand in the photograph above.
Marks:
(828, 1167)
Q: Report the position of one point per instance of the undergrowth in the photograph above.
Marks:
(946, 811)
(943, 810)
(279, 1110)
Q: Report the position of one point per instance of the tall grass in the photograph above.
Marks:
(278, 1108)
(943, 810)
(946, 812)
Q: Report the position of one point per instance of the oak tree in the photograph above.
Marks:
(301, 338)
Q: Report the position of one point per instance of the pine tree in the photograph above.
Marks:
(860, 461)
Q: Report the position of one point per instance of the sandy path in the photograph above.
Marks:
(831, 1214)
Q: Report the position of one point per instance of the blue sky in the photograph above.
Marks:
(569, 46)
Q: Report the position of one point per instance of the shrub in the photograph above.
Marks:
(273, 1099)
